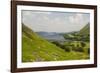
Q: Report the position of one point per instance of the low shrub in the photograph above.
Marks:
(83, 44)
(78, 49)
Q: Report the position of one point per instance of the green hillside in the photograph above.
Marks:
(85, 30)
(35, 48)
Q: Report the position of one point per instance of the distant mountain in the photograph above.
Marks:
(85, 30)
(51, 36)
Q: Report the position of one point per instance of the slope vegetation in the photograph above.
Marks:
(36, 48)
(85, 30)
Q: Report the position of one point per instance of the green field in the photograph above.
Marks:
(37, 49)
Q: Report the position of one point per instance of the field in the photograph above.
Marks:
(37, 49)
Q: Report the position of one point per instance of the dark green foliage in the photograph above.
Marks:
(77, 45)
(79, 49)
(83, 44)
(67, 48)
(57, 43)
(88, 50)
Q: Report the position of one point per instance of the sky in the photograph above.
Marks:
(50, 21)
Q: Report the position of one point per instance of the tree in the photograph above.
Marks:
(83, 44)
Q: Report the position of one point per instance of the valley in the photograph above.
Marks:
(53, 46)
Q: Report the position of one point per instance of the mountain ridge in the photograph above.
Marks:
(85, 30)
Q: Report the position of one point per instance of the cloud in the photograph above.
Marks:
(54, 21)
(40, 12)
(76, 19)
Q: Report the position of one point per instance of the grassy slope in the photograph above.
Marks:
(36, 48)
(85, 30)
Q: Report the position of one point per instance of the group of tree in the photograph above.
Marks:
(68, 46)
